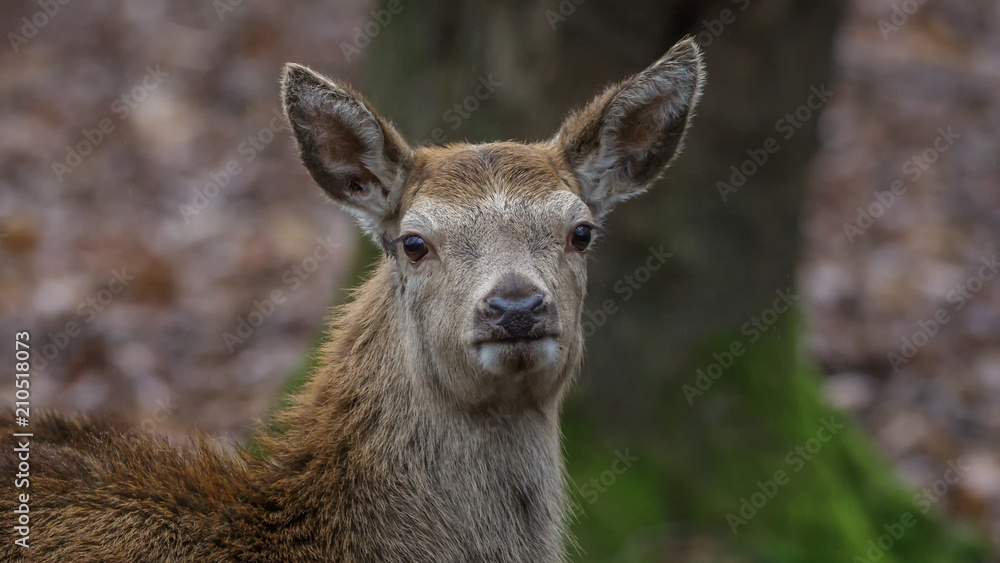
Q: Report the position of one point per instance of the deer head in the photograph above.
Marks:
(489, 242)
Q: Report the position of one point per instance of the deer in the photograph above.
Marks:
(429, 430)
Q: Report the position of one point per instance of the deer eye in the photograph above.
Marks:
(414, 247)
(580, 237)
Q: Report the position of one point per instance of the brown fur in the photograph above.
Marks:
(420, 437)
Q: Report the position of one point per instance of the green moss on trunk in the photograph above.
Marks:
(746, 468)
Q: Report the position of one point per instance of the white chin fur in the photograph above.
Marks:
(498, 357)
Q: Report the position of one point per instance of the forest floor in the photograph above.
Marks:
(900, 274)
(178, 261)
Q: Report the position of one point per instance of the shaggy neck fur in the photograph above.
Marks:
(379, 457)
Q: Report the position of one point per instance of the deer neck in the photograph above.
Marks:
(487, 481)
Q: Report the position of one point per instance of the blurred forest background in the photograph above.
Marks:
(812, 375)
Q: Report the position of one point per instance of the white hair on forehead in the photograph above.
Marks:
(430, 213)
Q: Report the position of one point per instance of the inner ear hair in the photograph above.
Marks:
(357, 157)
(625, 138)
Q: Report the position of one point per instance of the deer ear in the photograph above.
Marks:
(621, 142)
(352, 153)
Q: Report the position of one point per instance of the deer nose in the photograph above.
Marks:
(517, 317)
